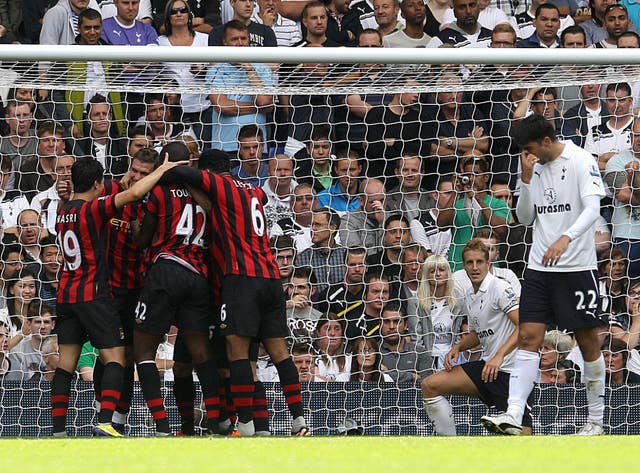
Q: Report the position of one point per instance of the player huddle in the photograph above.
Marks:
(208, 253)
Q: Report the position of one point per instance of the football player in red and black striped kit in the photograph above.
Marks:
(126, 262)
(84, 307)
(252, 295)
(176, 291)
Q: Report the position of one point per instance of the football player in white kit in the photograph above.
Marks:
(491, 307)
(560, 196)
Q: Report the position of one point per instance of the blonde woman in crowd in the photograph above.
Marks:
(438, 311)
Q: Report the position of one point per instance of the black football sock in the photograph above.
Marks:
(60, 388)
(111, 390)
(242, 388)
(151, 389)
(184, 391)
(260, 410)
(209, 384)
(290, 384)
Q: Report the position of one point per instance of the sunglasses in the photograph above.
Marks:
(175, 11)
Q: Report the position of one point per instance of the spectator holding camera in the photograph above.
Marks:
(474, 209)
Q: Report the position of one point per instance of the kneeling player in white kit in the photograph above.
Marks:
(492, 309)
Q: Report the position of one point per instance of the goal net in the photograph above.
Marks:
(393, 142)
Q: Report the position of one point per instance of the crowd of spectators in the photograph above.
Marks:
(371, 197)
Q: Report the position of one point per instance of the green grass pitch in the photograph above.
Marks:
(323, 454)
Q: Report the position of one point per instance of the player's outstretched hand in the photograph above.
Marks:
(555, 251)
(491, 367)
(527, 161)
(451, 358)
(166, 165)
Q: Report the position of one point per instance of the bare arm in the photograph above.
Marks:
(357, 106)
(144, 185)
(292, 9)
(225, 106)
(468, 341)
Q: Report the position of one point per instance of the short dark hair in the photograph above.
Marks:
(374, 275)
(615, 6)
(214, 160)
(85, 172)
(37, 307)
(49, 126)
(619, 86)
(332, 216)
(250, 131)
(573, 29)
(394, 306)
(5, 163)
(321, 131)
(479, 161)
(49, 240)
(233, 25)
(96, 99)
(148, 155)
(630, 34)
(398, 217)
(499, 179)
(139, 130)
(545, 91)
(369, 31)
(546, 6)
(305, 272)
(152, 97)
(177, 151)
(8, 249)
(89, 14)
(534, 128)
(354, 250)
(282, 242)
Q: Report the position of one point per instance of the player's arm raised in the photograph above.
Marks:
(491, 367)
(144, 185)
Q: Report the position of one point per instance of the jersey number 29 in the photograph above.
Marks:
(71, 249)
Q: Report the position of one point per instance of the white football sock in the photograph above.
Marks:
(523, 375)
(246, 430)
(594, 376)
(119, 418)
(441, 414)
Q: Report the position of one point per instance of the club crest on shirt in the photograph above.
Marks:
(550, 195)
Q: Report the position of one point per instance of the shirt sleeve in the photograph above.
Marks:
(103, 208)
(508, 299)
(590, 180)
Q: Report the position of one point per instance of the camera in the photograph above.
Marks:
(465, 180)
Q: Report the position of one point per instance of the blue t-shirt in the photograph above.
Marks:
(225, 128)
(138, 34)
